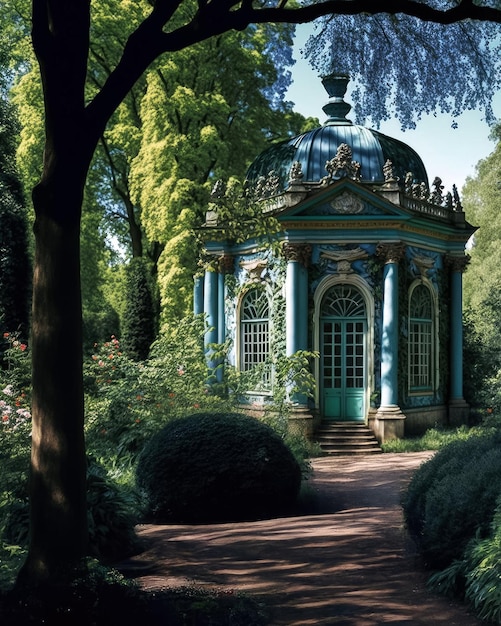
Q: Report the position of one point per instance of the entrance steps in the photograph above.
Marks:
(346, 438)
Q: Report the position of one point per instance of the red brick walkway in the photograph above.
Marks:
(352, 564)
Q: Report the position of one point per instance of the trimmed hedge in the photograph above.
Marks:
(211, 467)
(452, 498)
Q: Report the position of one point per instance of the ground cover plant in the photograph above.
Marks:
(104, 596)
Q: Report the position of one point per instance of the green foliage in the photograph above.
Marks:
(113, 510)
(103, 596)
(452, 497)
(483, 578)
(196, 115)
(112, 513)
(96, 597)
(476, 577)
(482, 286)
(15, 425)
(15, 264)
(209, 607)
(217, 467)
(139, 325)
(235, 215)
(99, 324)
(127, 401)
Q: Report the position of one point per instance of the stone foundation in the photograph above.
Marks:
(387, 423)
(459, 412)
(301, 422)
(420, 419)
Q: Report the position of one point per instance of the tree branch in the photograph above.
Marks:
(214, 18)
(466, 9)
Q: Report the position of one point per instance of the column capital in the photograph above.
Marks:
(300, 252)
(391, 252)
(226, 264)
(457, 263)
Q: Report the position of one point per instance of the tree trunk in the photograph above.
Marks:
(58, 512)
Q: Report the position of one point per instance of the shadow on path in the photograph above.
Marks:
(353, 564)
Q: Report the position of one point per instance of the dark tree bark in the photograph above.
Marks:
(58, 514)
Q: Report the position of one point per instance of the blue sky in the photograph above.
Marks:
(446, 152)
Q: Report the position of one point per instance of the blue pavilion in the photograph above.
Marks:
(368, 275)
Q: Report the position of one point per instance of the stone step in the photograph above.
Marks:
(346, 438)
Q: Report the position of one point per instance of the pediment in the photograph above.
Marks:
(344, 203)
(346, 198)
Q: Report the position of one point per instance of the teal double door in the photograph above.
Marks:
(343, 332)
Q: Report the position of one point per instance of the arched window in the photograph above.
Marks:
(255, 333)
(421, 339)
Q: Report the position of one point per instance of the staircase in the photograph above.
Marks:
(346, 438)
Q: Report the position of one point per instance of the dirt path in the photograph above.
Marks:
(352, 564)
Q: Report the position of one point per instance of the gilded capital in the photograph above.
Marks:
(226, 264)
(300, 252)
(391, 252)
(457, 263)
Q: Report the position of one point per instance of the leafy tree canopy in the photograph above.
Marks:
(15, 268)
(404, 66)
(482, 280)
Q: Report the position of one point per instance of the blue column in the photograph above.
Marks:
(456, 327)
(392, 253)
(296, 297)
(210, 310)
(198, 295)
(296, 302)
(221, 321)
(389, 340)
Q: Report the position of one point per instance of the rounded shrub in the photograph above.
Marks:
(211, 467)
(452, 498)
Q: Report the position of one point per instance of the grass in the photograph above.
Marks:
(432, 439)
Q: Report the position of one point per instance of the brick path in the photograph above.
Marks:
(352, 564)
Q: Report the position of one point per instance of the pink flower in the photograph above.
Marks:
(23, 347)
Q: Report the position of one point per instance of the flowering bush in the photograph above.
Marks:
(127, 401)
(15, 442)
(15, 399)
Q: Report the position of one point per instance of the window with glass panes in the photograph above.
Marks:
(421, 349)
(255, 332)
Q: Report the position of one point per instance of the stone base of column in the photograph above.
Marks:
(459, 412)
(387, 423)
(300, 421)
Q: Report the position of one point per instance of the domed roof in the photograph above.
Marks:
(370, 148)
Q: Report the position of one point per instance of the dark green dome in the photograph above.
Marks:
(313, 149)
